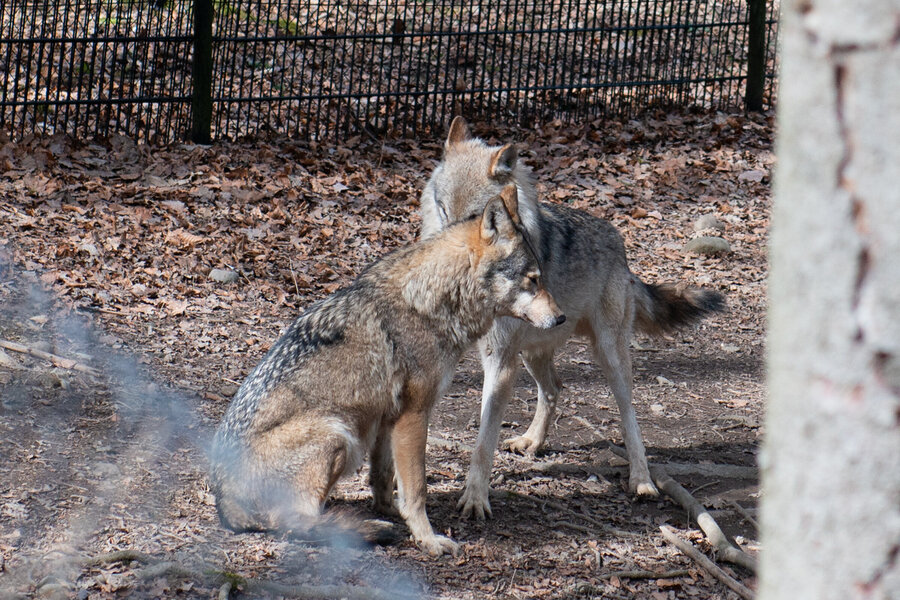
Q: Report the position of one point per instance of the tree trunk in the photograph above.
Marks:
(831, 460)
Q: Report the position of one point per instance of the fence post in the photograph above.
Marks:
(756, 55)
(201, 78)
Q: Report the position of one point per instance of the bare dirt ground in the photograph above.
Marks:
(105, 253)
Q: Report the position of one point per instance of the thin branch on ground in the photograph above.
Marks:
(725, 547)
(706, 564)
(706, 470)
(117, 556)
(588, 588)
(57, 361)
(701, 470)
(543, 502)
(744, 513)
(583, 529)
(642, 574)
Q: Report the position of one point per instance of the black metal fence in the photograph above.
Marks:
(327, 68)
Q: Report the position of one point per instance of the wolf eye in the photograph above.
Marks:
(533, 278)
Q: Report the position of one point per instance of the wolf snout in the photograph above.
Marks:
(548, 321)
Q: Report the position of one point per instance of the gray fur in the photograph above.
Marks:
(584, 267)
(359, 372)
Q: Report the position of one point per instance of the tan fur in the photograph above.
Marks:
(583, 264)
(360, 371)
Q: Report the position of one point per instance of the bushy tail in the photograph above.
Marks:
(348, 524)
(664, 307)
(334, 527)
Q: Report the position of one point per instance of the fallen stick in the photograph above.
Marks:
(117, 556)
(726, 548)
(557, 506)
(744, 513)
(589, 588)
(705, 470)
(706, 564)
(725, 471)
(58, 361)
(713, 470)
(641, 574)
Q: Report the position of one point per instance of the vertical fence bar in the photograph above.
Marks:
(756, 55)
(201, 79)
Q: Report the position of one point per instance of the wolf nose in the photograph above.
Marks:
(560, 319)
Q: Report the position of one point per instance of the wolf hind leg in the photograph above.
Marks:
(611, 352)
(540, 366)
(381, 474)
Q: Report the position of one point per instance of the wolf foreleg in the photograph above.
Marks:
(408, 442)
(500, 367)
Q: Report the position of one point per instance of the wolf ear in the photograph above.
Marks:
(459, 132)
(510, 197)
(503, 162)
(498, 221)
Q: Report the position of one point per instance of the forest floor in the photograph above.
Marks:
(105, 256)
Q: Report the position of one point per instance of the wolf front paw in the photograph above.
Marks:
(522, 445)
(436, 545)
(474, 502)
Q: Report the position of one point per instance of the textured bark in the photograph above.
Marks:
(831, 462)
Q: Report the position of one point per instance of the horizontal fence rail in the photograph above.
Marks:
(168, 70)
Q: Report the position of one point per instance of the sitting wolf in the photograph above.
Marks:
(360, 371)
(584, 267)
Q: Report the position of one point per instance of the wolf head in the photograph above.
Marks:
(470, 174)
(509, 264)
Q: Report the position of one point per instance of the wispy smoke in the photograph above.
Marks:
(91, 464)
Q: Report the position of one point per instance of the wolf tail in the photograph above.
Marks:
(664, 307)
(346, 524)
(334, 527)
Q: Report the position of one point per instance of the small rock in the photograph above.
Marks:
(9, 362)
(42, 345)
(52, 591)
(754, 175)
(89, 248)
(206, 498)
(730, 348)
(105, 469)
(709, 221)
(51, 380)
(708, 245)
(657, 409)
(223, 275)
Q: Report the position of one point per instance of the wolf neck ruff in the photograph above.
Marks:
(445, 222)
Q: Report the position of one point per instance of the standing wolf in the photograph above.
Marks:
(360, 371)
(584, 267)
